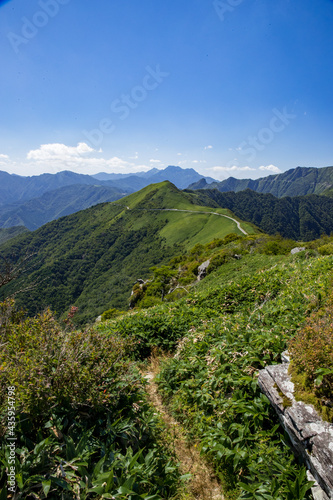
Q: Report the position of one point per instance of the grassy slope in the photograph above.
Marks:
(91, 258)
(233, 323)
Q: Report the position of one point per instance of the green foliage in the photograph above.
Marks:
(160, 327)
(50, 366)
(242, 320)
(300, 217)
(9, 233)
(83, 427)
(326, 249)
(111, 313)
(311, 365)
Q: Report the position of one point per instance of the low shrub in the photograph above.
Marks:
(111, 313)
(311, 364)
(82, 426)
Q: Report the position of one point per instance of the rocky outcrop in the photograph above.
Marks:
(202, 270)
(296, 250)
(311, 437)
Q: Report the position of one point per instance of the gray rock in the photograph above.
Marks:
(296, 250)
(285, 357)
(202, 270)
(311, 437)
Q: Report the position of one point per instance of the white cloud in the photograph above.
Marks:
(4, 160)
(208, 147)
(53, 158)
(231, 169)
(58, 152)
(155, 161)
(271, 168)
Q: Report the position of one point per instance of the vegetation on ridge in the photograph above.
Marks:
(92, 258)
(85, 429)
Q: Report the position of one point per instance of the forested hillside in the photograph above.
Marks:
(92, 258)
(52, 205)
(301, 218)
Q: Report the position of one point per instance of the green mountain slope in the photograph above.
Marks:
(299, 181)
(11, 232)
(300, 218)
(91, 258)
(229, 326)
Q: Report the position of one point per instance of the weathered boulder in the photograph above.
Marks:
(296, 250)
(202, 269)
(311, 437)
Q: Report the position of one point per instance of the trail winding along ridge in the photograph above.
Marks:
(203, 485)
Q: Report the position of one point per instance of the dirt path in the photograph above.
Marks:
(203, 485)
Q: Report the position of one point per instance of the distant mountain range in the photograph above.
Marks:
(299, 181)
(33, 201)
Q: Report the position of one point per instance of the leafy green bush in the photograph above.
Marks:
(157, 327)
(50, 366)
(311, 364)
(83, 428)
(211, 383)
(111, 313)
(326, 249)
(276, 246)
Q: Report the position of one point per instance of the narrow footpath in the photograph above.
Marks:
(203, 484)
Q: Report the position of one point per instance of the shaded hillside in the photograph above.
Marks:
(11, 232)
(16, 188)
(92, 258)
(54, 204)
(300, 218)
(299, 181)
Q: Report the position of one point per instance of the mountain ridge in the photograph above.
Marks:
(91, 258)
(299, 181)
(36, 200)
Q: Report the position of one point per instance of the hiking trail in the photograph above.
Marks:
(203, 484)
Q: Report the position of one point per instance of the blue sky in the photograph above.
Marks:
(228, 87)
